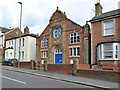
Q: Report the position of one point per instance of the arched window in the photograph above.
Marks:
(58, 51)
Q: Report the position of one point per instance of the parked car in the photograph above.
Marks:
(8, 62)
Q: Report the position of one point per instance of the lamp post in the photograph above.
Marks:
(20, 34)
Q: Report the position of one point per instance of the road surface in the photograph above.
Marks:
(12, 79)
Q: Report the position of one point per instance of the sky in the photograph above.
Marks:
(36, 13)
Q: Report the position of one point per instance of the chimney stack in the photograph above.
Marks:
(26, 30)
(98, 8)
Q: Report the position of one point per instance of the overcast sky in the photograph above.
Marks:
(36, 13)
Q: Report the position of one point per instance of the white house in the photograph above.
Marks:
(27, 48)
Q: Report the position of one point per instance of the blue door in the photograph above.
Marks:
(58, 58)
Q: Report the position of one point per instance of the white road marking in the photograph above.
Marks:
(13, 79)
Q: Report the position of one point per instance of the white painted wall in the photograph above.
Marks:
(29, 48)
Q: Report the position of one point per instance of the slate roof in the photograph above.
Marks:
(107, 15)
(4, 30)
(31, 34)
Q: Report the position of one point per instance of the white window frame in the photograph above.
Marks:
(74, 52)
(23, 55)
(114, 52)
(71, 52)
(74, 37)
(12, 43)
(44, 54)
(44, 43)
(104, 29)
(23, 42)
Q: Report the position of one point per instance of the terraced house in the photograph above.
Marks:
(106, 38)
(63, 40)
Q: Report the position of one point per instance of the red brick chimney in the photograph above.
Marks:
(26, 30)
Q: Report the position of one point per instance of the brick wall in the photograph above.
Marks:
(26, 65)
(13, 34)
(100, 74)
(83, 66)
(115, 65)
(60, 68)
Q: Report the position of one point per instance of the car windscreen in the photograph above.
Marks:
(7, 59)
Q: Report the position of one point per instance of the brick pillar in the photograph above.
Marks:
(75, 65)
(38, 65)
(32, 64)
(37, 54)
(15, 63)
(46, 65)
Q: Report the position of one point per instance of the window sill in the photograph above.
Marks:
(74, 43)
(73, 56)
(107, 59)
(108, 35)
(43, 57)
(43, 47)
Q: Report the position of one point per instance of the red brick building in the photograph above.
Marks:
(105, 38)
(7, 34)
(63, 40)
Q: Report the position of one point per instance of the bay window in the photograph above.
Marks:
(108, 51)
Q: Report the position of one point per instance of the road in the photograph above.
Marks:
(12, 79)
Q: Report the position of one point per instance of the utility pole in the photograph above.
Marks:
(20, 34)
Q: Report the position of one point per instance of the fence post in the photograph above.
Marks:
(33, 64)
(46, 65)
(75, 65)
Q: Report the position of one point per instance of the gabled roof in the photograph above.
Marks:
(107, 15)
(58, 15)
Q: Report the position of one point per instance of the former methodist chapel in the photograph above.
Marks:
(63, 40)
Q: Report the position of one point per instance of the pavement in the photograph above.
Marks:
(68, 78)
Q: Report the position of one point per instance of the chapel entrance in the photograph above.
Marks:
(58, 56)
